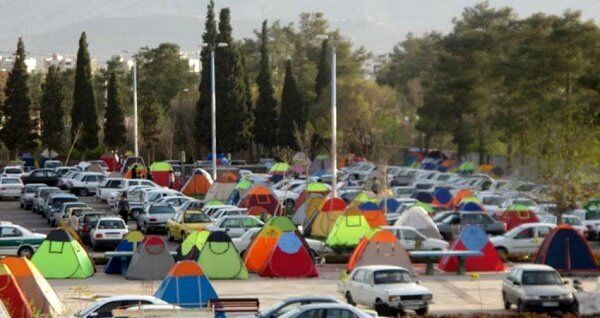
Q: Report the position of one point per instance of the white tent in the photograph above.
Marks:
(419, 219)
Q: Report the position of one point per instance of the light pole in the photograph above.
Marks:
(135, 108)
(213, 105)
(333, 115)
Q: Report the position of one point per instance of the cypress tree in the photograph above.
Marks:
(17, 132)
(83, 112)
(234, 117)
(51, 110)
(292, 114)
(202, 120)
(150, 117)
(323, 71)
(114, 126)
(265, 112)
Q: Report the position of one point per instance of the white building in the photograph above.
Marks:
(6, 63)
(62, 62)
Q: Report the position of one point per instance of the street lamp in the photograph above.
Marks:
(213, 104)
(135, 108)
(333, 114)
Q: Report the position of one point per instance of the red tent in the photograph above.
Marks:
(12, 296)
(111, 161)
(260, 196)
(473, 238)
(289, 258)
(514, 216)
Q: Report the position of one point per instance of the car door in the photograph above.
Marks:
(312, 313)
(38, 176)
(249, 223)
(354, 285)
(172, 224)
(233, 227)
(524, 241)
(11, 239)
(367, 291)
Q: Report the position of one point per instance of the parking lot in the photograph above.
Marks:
(452, 293)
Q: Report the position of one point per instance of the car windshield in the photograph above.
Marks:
(161, 209)
(572, 220)
(13, 171)
(196, 218)
(391, 276)
(541, 278)
(11, 181)
(592, 216)
(405, 190)
(59, 201)
(111, 224)
(31, 189)
(91, 218)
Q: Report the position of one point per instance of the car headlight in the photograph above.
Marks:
(395, 298)
(567, 296)
(427, 297)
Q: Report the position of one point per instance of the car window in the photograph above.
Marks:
(359, 276)
(39, 174)
(161, 209)
(9, 231)
(340, 313)
(11, 181)
(314, 313)
(541, 278)
(525, 234)
(111, 224)
(543, 231)
(409, 235)
(232, 223)
(196, 218)
(106, 310)
(249, 222)
(392, 276)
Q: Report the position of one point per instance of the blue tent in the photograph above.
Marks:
(565, 249)
(186, 286)
(117, 265)
(422, 196)
(442, 195)
(28, 159)
(392, 205)
(428, 166)
(470, 207)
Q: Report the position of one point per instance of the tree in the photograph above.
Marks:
(17, 132)
(114, 124)
(292, 111)
(203, 119)
(265, 112)
(150, 117)
(51, 110)
(323, 70)
(83, 113)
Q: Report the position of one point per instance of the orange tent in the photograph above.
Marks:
(381, 248)
(198, 183)
(227, 177)
(12, 296)
(260, 196)
(260, 249)
(373, 214)
(459, 196)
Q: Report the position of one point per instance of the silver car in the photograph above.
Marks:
(536, 287)
(154, 217)
(28, 194)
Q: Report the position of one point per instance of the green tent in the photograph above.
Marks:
(470, 199)
(282, 223)
(243, 185)
(213, 203)
(220, 260)
(61, 256)
(426, 206)
(348, 230)
(518, 207)
(279, 167)
(190, 248)
(364, 197)
(317, 187)
(161, 166)
(467, 167)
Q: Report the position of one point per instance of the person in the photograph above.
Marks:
(123, 207)
(171, 179)
(149, 176)
(134, 174)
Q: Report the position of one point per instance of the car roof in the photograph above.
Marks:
(381, 267)
(537, 267)
(62, 195)
(310, 297)
(336, 305)
(110, 218)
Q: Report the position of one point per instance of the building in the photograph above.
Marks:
(372, 65)
(62, 62)
(6, 63)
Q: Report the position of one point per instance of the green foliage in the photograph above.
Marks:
(114, 124)
(51, 110)
(83, 113)
(293, 112)
(265, 111)
(150, 116)
(323, 70)
(17, 133)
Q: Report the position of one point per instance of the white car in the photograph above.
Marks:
(242, 243)
(411, 239)
(591, 221)
(64, 180)
(491, 202)
(572, 220)
(108, 232)
(228, 212)
(40, 198)
(289, 193)
(17, 240)
(28, 194)
(523, 239)
(333, 310)
(175, 200)
(403, 191)
(210, 209)
(111, 186)
(236, 225)
(85, 183)
(12, 171)
(387, 289)
(10, 187)
(105, 306)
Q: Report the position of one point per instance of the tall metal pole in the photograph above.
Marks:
(333, 123)
(135, 111)
(213, 111)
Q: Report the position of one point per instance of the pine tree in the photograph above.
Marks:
(323, 70)
(83, 113)
(150, 117)
(234, 117)
(265, 112)
(202, 120)
(292, 114)
(114, 126)
(51, 110)
(17, 132)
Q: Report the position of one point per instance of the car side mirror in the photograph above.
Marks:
(517, 283)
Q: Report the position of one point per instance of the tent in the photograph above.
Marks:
(373, 214)
(467, 167)
(473, 238)
(261, 196)
(459, 196)
(382, 248)
(116, 265)
(282, 223)
(198, 183)
(516, 215)
(186, 286)
(40, 295)
(264, 242)
(240, 191)
(140, 168)
(221, 159)
(219, 259)
(321, 222)
(160, 172)
(300, 163)
(61, 256)
(15, 301)
(151, 261)
(566, 250)
(390, 205)
(320, 166)
(190, 247)
(111, 161)
(279, 168)
(470, 207)
(441, 197)
(219, 191)
(289, 258)
(416, 217)
(308, 208)
(311, 189)
(426, 206)
(348, 230)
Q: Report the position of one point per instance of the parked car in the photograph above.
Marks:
(236, 225)
(182, 223)
(64, 170)
(108, 232)
(48, 177)
(85, 183)
(452, 225)
(210, 209)
(55, 201)
(17, 240)
(12, 171)
(55, 218)
(523, 239)
(403, 191)
(40, 198)
(242, 243)
(73, 216)
(387, 289)
(111, 186)
(591, 222)
(411, 239)
(28, 194)
(63, 181)
(537, 287)
(191, 205)
(491, 202)
(104, 307)
(52, 164)
(289, 192)
(228, 212)
(284, 306)
(325, 310)
(10, 187)
(175, 200)
(572, 220)
(154, 217)
(86, 223)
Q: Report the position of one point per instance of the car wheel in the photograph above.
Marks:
(520, 306)
(25, 251)
(422, 311)
(502, 253)
(84, 192)
(506, 302)
(349, 299)
(383, 309)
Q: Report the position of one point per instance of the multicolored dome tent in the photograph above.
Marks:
(219, 258)
(290, 257)
(186, 286)
(441, 197)
(265, 241)
(473, 238)
(322, 221)
(40, 295)
(61, 256)
(308, 209)
(115, 264)
(382, 248)
(458, 197)
(197, 184)
(566, 250)
(516, 215)
(150, 262)
(15, 301)
(261, 196)
(373, 214)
